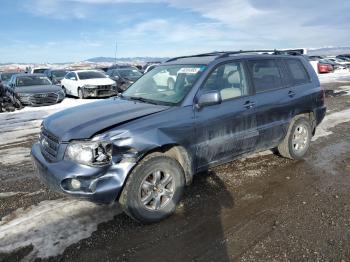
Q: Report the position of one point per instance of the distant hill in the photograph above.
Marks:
(329, 51)
(124, 59)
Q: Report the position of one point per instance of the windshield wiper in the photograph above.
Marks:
(144, 100)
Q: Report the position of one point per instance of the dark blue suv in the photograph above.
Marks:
(143, 147)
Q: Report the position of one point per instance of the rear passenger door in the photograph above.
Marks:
(273, 100)
(228, 129)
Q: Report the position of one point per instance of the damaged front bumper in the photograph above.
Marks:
(97, 184)
(100, 91)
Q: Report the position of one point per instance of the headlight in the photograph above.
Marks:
(90, 153)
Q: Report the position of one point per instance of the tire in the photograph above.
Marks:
(141, 185)
(171, 84)
(80, 94)
(297, 141)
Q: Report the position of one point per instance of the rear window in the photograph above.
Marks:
(266, 75)
(298, 72)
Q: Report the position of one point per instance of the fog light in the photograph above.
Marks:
(75, 183)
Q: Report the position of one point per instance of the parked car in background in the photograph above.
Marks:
(37, 70)
(56, 75)
(324, 68)
(149, 68)
(6, 76)
(143, 147)
(334, 65)
(34, 90)
(315, 57)
(344, 57)
(124, 77)
(340, 61)
(88, 83)
(166, 79)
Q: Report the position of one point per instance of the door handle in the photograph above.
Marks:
(291, 94)
(249, 104)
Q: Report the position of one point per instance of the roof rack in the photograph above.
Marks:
(223, 54)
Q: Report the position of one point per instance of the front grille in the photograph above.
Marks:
(43, 99)
(49, 145)
(104, 87)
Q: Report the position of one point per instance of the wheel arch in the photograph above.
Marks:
(180, 154)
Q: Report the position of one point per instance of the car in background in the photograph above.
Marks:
(5, 77)
(88, 83)
(34, 90)
(324, 68)
(166, 79)
(315, 57)
(38, 70)
(124, 77)
(56, 75)
(344, 57)
(334, 64)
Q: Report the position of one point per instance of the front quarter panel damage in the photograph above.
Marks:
(173, 135)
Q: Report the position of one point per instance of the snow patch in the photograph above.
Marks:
(14, 155)
(331, 121)
(52, 226)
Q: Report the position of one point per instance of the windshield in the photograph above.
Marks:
(165, 84)
(130, 72)
(39, 70)
(90, 75)
(6, 76)
(58, 73)
(32, 81)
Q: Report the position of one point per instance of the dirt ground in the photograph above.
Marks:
(261, 208)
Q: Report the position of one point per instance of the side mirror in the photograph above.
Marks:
(209, 99)
(72, 78)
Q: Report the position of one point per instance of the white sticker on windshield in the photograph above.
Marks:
(189, 70)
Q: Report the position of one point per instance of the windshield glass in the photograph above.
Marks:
(165, 84)
(90, 75)
(32, 81)
(58, 73)
(130, 72)
(39, 70)
(6, 76)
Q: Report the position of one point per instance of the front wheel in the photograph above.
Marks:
(153, 189)
(80, 94)
(297, 141)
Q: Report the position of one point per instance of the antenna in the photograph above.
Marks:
(116, 50)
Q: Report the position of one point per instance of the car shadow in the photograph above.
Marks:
(194, 233)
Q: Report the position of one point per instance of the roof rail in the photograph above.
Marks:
(223, 54)
(198, 55)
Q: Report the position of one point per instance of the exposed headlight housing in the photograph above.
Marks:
(90, 153)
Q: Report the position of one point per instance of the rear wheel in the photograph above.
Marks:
(297, 141)
(153, 189)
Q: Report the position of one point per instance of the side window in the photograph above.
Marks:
(229, 79)
(297, 71)
(266, 75)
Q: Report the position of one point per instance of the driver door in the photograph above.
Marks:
(228, 129)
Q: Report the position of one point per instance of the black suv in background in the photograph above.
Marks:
(55, 75)
(124, 77)
(142, 148)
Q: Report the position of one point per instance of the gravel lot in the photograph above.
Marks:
(261, 208)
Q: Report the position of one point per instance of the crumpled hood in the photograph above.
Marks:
(83, 122)
(38, 89)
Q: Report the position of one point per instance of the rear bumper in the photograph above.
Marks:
(99, 184)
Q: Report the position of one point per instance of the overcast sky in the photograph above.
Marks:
(74, 30)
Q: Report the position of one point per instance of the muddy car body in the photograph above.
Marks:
(141, 150)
